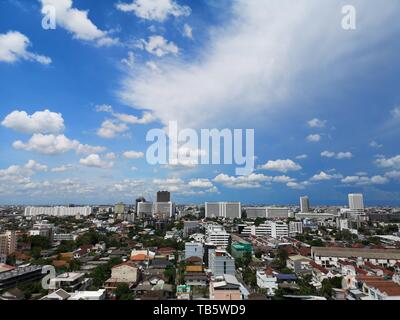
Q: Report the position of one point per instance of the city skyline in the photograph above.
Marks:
(77, 102)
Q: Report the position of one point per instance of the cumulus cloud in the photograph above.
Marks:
(158, 10)
(363, 180)
(281, 166)
(77, 22)
(227, 75)
(323, 176)
(316, 123)
(339, 155)
(14, 47)
(251, 181)
(200, 183)
(313, 138)
(33, 165)
(88, 149)
(39, 122)
(159, 46)
(47, 144)
(395, 113)
(133, 154)
(110, 129)
(384, 162)
(95, 161)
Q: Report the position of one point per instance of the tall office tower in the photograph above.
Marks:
(256, 212)
(140, 199)
(163, 196)
(221, 263)
(164, 209)
(356, 201)
(145, 209)
(119, 208)
(304, 204)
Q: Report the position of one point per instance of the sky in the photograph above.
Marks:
(78, 98)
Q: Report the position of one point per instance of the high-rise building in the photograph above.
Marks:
(277, 213)
(230, 210)
(145, 209)
(8, 243)
(165, 209)
(141, 199)
(58, 211)
(279, 229)
(304, 204)
(119, 208)
(217, 235)
(163, 196)
(295, 227)
(356, 201)
(256, 212)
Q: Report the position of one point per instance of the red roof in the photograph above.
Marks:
(318, 267)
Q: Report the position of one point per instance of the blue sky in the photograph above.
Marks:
(324, 102)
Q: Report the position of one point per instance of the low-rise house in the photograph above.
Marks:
(126, 273)
(13, 294)
(266, 279)
(194, 279)
(299, 264)
(70, 282)
(226, 287)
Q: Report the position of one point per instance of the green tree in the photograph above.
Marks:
(123, 292)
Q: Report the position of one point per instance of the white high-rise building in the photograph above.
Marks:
(295, 227)
(277, 213)
(217, 235)
(304, 204)
(58, 211)
(256, 212)
(144, 209)
(279, 229)
(167, 209)
(356, 201)
(229, 210)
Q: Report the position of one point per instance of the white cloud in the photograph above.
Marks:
(227, 75)
(395, 113)
(39, 122)
(242, 182)
(393, 174)
(188, 31)
(159, 46)
(281, 166)
(88, 149)
(316, 123)
(298, 185)
(339, 155)
(393, 162)
(110, 156)
(157, 10)
(47, 144)
(77, 22)
(133, 154)
(200, 183)
(62, 168)
(110, 129)
(33, 165)
(302, 157)
(130, 60)
(323, 176)
(13, 47)
(375, 144)
(313, 138)
(363, 180)
(95, 161)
